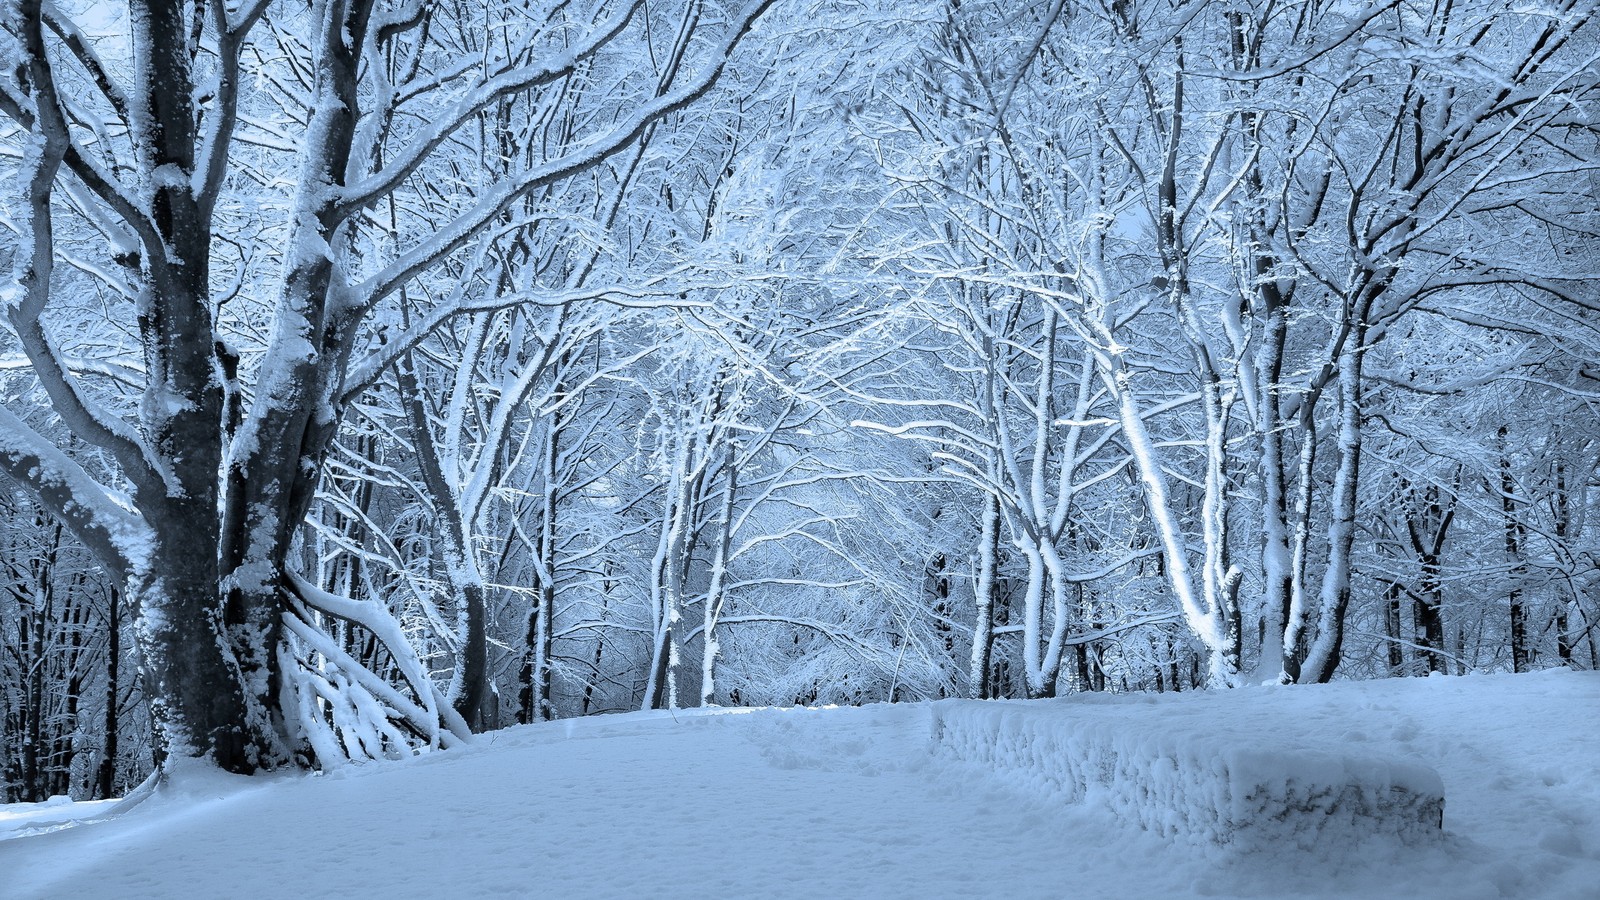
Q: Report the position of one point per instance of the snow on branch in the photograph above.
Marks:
(447, 123)
(119, 538)
(423, 717)
(582, 158)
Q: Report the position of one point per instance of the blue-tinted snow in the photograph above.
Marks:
(855, 803)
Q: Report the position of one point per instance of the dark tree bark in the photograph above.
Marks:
(1428, 526)
(1515, 536)
(106, 774)
(1392, 593)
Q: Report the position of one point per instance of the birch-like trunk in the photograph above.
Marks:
(1200, 613)
(666, 582)
(1276, 568)
(538, 705)
(716, 592)
(1324, 654)
(1294, 631)
(983, 588)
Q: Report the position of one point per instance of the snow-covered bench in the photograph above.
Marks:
(1238, 784)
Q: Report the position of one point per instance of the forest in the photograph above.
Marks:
(378, 373)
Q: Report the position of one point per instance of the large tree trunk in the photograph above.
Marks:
(195, 695)
(198, 693)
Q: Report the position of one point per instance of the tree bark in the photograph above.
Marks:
(106, 775)
(1521, 655)
(979, 676)
(1325, 652)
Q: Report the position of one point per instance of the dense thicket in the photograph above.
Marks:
(381, 371)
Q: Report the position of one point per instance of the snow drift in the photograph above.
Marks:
(1212, 785)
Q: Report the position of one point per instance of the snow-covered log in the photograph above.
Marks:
(1198, 781)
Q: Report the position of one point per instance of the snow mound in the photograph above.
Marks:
(1209, 785)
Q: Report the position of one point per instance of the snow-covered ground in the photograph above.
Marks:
(865, 803)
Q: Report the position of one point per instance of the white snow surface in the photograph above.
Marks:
(867, 803)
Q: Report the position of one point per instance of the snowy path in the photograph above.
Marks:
(834, 803)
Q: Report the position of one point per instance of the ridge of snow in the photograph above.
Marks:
(1213, 785)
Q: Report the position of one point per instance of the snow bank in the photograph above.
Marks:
(1182, 780)
(59, 811)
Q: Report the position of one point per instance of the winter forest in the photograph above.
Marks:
(380, 373)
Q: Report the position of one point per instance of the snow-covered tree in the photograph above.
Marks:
(316, 125)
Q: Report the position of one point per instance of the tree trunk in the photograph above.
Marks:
(471, 690)
(1325, 652)
(1205, 621)
(1275, 555)
(475, 703)
(106, 776)
(1037, 684)
(669, 575)
(194, 695)
(1295, 638)
(1427, 529)
(1521, 653)
(543, 709)
(33, 625)
(1391, 628)
(1429, 622)
(717, 591)
(1563, 524)
(979, 680)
